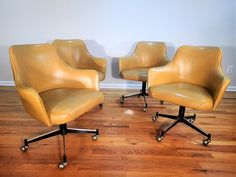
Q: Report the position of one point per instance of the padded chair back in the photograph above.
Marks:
(198, 65)
(75, 53)
(150, 54)
(37, 67)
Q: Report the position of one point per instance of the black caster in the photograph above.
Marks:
(101, 105)
(144, 109)
(122, 99)
(95, 137)
(205, 142)
(62, 165)
(24, 148)
(160, 136)
(155, 117)
(191, 120)
(161, 102)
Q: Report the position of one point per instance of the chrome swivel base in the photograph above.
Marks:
(188, 120)
(63, 130)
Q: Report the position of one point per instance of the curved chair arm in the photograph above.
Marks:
(33, 105)
(162, 75)
(100, 64)
(129, 62)
(80, 78)
(218, 86)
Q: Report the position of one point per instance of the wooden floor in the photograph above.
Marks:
(127, 145)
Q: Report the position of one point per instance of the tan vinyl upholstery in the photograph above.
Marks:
(135, 67)
(146, 55)
(51, 91)
(193, 79)
(76, 54)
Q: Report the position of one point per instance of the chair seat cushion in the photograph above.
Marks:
(137, 74)
(183, 94)
(64, 105)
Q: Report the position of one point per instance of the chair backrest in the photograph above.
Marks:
(150, 54)
(37, 66)
(198, 65)
(74, 52)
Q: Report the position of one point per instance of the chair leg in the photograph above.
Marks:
(184, 119)
(77, 130)
(63, 130)
(142, 93)
(38, 138)
(63, 163)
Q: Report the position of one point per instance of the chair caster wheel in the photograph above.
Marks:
(144, 109)
(95, 137)
(24, 148)
(191, 120)
(101, 105)
(161, 102)
(62, 165)
(159, 138)
(155, 117)
(122, 99)
(207, 141)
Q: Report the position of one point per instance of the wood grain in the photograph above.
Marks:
(127, 145)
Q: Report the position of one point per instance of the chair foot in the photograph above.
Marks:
(63, 164)
(206, 141)
(122, 99)
(160, 136)
(191, 119)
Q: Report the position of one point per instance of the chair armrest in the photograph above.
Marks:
(129, 62)
(33, 105)
(79, 78)
(162, 75)
(100, 64)
(218, 86)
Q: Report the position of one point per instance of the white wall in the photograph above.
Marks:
(112, 27)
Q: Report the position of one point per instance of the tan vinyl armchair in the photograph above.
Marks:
(76, 54)
(52, 92)
(135, 67)
(194, 79)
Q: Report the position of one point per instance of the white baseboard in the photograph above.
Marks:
(120, 86)
(7, 83)
(112, 85)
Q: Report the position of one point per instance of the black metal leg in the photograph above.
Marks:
(131, 95)
(40, 137)
(168, 116)
(63, 163)
(77, 130)
(194, 127)
(142, 93)
(170, 127)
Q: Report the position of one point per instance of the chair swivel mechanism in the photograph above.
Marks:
(135, 67)
(193, 79)
(53, 92)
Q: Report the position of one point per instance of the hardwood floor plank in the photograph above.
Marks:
(127, 146)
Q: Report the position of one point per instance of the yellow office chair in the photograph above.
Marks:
(135, 67)
(75, 53)
(193, 79)
(53, 92)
